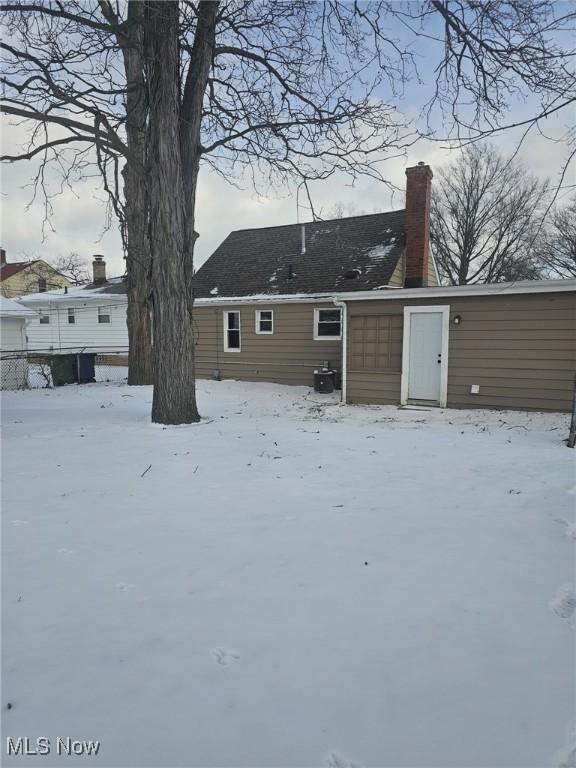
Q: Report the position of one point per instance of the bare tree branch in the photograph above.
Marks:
(486, 212)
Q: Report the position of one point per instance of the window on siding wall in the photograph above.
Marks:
(375, 342)
(44, 319)
(232, 331)
(71, 316)
(327, 324)
(264, 321)
(103, 315)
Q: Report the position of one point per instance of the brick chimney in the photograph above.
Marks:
(99, 269)
(417, 226)
(2, 257)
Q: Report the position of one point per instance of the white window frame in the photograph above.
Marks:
(71, 314)
(225, 321)
(444, 309)
(317, 311)
(258, 314)
(44, 315)
(104, 312)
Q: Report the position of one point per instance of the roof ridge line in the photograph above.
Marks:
(320, 221)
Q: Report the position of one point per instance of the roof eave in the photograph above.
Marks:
(491, 289)
(299, 298)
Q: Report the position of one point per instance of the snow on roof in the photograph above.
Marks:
(348, 254)
(11, 308)
(114, 288)
(266, 297)
(391, 292)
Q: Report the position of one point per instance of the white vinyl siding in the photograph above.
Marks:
(12, 333)
(13, 371)
(84, 332)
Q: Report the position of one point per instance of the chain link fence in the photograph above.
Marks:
(24, 369)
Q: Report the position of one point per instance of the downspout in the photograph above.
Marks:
(344, 307)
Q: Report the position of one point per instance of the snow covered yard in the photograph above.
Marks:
(291, 582)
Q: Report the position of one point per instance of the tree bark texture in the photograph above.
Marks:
(174, 398)
(138, 261)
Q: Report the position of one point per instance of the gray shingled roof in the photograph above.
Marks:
(114, 286)
(110, 286)
(269, 260)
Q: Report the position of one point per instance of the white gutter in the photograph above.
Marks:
(491, 289)
(344, 309)
(392, 292)
(284, 298)
(295, 298)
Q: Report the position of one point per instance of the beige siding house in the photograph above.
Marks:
(26, 277)
(276, 304)
(497, 346)
(287, 355)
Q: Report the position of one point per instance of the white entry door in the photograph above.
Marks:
(425, 364)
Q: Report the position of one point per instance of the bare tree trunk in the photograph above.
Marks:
(174, 399)
(138, 262)
(138, 280)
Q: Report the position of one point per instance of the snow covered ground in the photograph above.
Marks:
(291, 582)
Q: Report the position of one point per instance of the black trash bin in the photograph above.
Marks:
(64, 370)
(86, 367)
(324, 381)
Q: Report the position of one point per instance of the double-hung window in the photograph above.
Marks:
(264, 321)
(71, 316)
(327, 324)
(232, 331)
(103, 315)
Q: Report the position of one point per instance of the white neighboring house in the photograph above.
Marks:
(13, 367)
(89, 318)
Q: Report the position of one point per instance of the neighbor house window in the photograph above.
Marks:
(232, 331)
(42, 285)
(264, 321)
(44, 319)
(71, 316)
(327, 323)
(103, 315)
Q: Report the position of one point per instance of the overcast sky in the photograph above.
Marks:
(78, 218)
